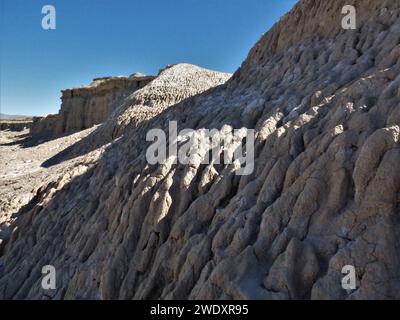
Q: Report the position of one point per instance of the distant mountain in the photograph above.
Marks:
(14, 117)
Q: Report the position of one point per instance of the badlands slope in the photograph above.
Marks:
(324, 102)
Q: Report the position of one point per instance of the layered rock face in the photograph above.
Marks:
(324, 193)
(86, 106)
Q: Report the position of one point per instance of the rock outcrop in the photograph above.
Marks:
(15, 125)
(89, 105)
(174, 84)
(324, 193)
(14, 122)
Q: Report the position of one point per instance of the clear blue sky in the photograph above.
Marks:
(117, 37)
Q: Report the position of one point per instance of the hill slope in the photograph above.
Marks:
(324, 193)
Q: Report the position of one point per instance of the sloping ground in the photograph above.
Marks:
(25, 173)
(29, 162)
(324, 193)
(22, 174)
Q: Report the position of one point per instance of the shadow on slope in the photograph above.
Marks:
(32, 140)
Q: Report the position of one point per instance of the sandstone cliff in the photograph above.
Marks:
(86, 106)
(324, 193)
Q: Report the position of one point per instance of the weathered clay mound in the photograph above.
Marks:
(173, 85)
(324, 193)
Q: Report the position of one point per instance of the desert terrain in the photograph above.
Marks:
(78, 193)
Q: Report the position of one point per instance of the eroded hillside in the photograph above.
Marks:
(324, 193)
